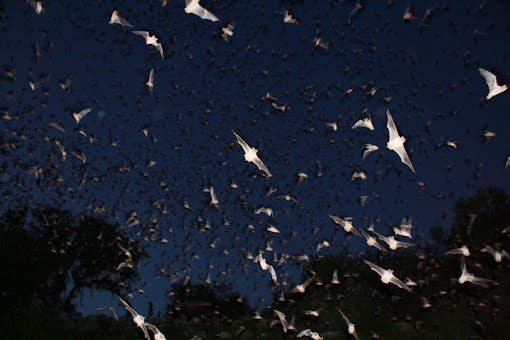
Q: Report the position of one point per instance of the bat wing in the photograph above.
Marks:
(338, 220)
(490, 78)
(274, 277)
(124, 22)
(397, 282)
(358, 124)
(160, 49)
(392, 128)
(145, 332)
(365, 234)
(283, 321)
(402, 153)
(153, 329)
(347, 321)
(369, 148)
(128, 307)
(208, 15)
(144, 34)
(375, 267)
(308, 281)
(453, 252)
(481, 281)
(487, 249)
(355, 231)
(242, 142)
(401, 244)
(258, 162)
(117, 19)
(382, 237)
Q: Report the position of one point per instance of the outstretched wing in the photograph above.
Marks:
(337, 220)
(456, 251)
(144, 34)
(376, 244)
(369, 148)
(153, 328)
(359, 123)
(401, 244)
(487, 249)
(208, 15)
(490, 78)
(392, 128)
(157, 333)
(375, 267)
(365, 234)
(397, 282)
(347, 321)
(481, 281)
(242, 142)
(258, 162)
(402, 153)
(308, 281)
(117, 19)
(160, 49)
(382, 237)
(282, 318)
(128, 307)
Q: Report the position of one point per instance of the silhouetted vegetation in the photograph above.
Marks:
(189, 301)
(438, 308)
(50, 256)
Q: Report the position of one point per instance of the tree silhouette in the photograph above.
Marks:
(480, 219)
(52, 255)
(439, 307)
(199, 299)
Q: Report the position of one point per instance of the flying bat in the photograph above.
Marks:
(157, 333)
(193, 7)
(387, 276)
(78, 116)
(250, 155)
(365, 122)
(396, 142)
(368, 149)
(392, 243)
(351, 328)
(117, 19)
(496, 254)
(346, 223)
(150, 80)
(372, 241)
(466, 276)
(138, 319)
(492, 83)
(151, 40)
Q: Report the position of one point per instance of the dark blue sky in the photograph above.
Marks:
(207, 87)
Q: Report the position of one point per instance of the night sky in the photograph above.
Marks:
(175, 141)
